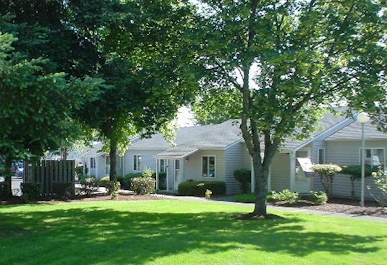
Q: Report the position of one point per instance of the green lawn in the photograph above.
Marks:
(181, 232)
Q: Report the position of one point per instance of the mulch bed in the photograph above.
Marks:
(342, 205)
(337, 205)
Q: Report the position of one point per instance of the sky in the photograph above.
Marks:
(185, 117)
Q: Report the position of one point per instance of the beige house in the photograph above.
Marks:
(214, 152)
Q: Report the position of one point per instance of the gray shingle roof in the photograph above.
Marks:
(353, 132)
(326, 123)
(217, 136)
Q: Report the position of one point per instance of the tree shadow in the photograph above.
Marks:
(132, 237)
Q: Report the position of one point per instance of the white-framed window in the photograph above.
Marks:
(208, 167)
(92, 162)
(321, 155)
(373, 157)
(137, 162)
(163, 163)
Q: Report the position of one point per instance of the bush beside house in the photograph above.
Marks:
(199, 188)
(243, 176)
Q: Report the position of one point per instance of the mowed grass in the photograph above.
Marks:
(181, 232)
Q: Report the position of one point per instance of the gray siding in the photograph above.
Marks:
(280, 172)
(345, 153)
(348, 152)
(148, 160)
(237, 157)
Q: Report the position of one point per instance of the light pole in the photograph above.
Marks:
(362, 118)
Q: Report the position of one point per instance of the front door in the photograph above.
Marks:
(177, 174)
(302, 182)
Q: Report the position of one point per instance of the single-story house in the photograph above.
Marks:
(209, 152)
(96, 162)
(214, 152)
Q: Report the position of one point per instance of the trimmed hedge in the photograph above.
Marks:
(243, 176)
(62, 189)
(198, 188)
(31, 191)
(4, 190)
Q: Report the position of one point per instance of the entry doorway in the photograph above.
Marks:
(302, 182)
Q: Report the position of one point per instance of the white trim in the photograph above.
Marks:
(318, 155)
(208, 165)
(136, 162)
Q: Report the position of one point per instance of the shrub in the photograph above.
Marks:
(143, 185)
(243, 176)
(272, 196)
(327, 173)
(112, 188)
(89, 185)
(4, 190)
(62, 190)
(355, 174)
(318, 197)
(102, 181)
(127, 179)
(380, 179)
(285, 197)
(31, 191)
(198, 188)
(148, 173)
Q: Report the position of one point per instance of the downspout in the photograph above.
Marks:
(167, 174)
(292, 158)
(157, 173)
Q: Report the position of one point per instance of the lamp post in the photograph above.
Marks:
(362, 118)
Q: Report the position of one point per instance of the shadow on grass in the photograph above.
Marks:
(103, 235)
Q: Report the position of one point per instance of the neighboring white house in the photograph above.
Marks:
(96, 162)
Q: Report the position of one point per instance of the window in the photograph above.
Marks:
(92, 162)
(208, 167)
(373, 157)
(321, 156)
(162, 165)
(137, 162)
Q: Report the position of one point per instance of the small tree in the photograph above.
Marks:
(243, 176)
(327, 173)
(355, 174)
(380, 179)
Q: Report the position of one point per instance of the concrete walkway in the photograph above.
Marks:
(230, 200)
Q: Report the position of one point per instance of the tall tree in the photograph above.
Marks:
(148, 71)
(35, 107)
(288, 60)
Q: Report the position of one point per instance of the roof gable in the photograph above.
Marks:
(354, 130)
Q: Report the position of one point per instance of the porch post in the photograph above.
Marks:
(292, 162)
(157, 173)
(167, 174)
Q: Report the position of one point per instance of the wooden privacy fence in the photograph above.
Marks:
(48, 172)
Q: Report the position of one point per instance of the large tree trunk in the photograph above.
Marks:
(260, 207)
(8, 174)
(113, 159)
(261, 176)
